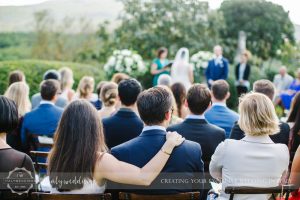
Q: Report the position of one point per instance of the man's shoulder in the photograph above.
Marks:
(125, 145)
(57, 109)
(214, 129)
(175, 127)
(234, 114)
(225, 59)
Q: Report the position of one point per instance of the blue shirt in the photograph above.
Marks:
(222, 117)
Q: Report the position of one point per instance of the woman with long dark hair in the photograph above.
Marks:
(294, 122)
(80, 154)
(179, 93)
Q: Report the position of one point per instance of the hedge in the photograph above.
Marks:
(34, 70)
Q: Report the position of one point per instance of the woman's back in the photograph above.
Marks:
(12, 159)
(253, 161)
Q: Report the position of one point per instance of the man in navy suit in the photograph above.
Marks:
(125, 124)
(217, 68)
(184, 169)
(219, 114)
(36, 98)
(43, 120)
(195, 127)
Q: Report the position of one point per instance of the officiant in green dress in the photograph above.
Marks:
(159, 65)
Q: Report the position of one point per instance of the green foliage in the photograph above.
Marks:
(147, 25)
(34, 70)
(266, 25)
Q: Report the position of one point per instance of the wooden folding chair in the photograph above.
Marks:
(48, 196)
(285, 189)
(180, 196)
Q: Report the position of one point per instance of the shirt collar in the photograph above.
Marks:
(258, 139)
(195, 117)
(219, 104)
(155, 127)
(126, 109)
(46, 102)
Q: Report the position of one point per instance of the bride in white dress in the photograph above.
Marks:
(182, 70)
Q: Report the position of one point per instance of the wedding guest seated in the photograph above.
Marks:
(92, 163)
(295, 174)
(294, 123)
(155, 109)
(43, 120)
(282, 81)
(108, 96)
(125, 124)
(219, 114)
(10, 158)
(175, 119)
(16, 76)
(164, 79)
(85, 89)
(67, 82)
(254, 161)
(195, 127)
(98, 103)
(118, 77)
(179, 93)
(286, 97)
(36, 99)
(19, 93)
(267, 88)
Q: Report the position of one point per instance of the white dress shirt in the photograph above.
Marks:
(253, 161)
(46, 102)
(195, 117)
(155, 127)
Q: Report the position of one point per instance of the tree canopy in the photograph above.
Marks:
(147, 25)
(267, 25)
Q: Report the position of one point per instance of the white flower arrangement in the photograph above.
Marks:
(125, 61)
(200, 59)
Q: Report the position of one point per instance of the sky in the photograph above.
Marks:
(289, 5)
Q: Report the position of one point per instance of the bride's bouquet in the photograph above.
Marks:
(200, 59)
(125, 61)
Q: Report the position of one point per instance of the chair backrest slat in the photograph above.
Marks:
(48, 196)
(180, 196)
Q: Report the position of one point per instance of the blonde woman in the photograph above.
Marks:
(255, 160)
(67, 82)
(85, 89)
(19, 93)
(109, 97)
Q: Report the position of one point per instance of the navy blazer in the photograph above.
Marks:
(282, 137)
(41, 121)
(199, 130)
(216, 72)
(121, 127)
(184, 163)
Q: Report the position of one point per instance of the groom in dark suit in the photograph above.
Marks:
(217, 68)
(184, 169)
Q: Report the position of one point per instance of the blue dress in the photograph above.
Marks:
(287, 98)
(160, 65)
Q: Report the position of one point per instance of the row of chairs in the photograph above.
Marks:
(283, 190)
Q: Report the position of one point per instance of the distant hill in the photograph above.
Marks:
(20, 18)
